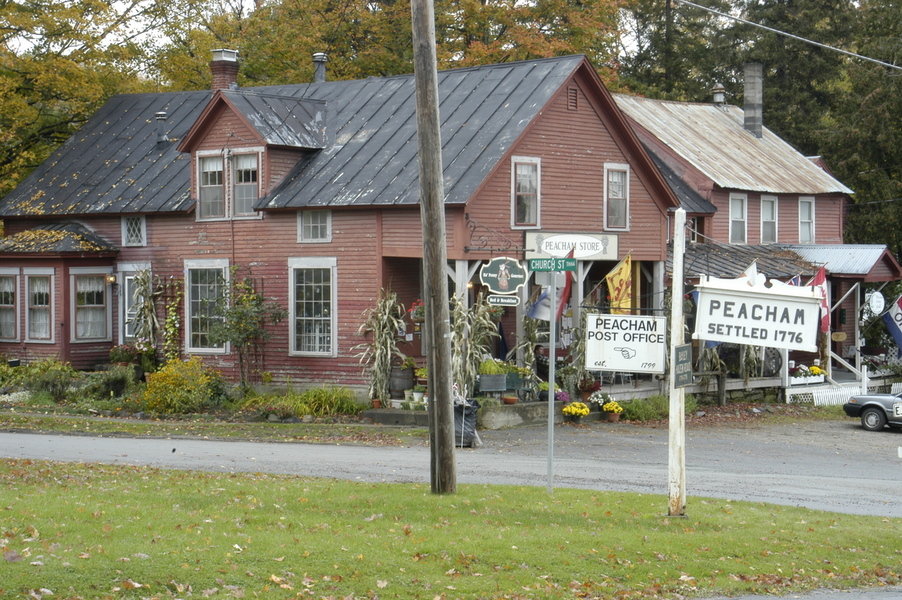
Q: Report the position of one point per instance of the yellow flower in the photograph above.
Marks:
(612, 407)
(578, 409)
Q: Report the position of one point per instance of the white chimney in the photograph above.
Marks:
(319, 67)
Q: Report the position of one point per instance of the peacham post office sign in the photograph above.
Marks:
(745, 311)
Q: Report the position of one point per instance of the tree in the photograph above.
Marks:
(863, 138)
(799, 78)
(59, 61)
(243, 314)
(675, 52)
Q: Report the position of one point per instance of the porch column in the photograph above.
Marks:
(657, 286)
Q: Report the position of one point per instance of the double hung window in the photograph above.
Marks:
(39, 312)
(313, 305)
(91, 307)
(738, 219)
(526, 195)
(768, 219)
(205, 283)
(9, 306)
(806, 220)
(616, 196)
(228, 184)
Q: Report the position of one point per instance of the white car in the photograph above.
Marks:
(876, 410)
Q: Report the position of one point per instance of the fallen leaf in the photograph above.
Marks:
(381, 584)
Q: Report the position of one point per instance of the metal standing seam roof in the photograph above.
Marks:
(690, 200)
(713, 139)
(842, 259)
(371, 157)
(115, 165)
(282, 121)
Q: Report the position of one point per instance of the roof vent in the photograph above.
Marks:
(160, 119)
(319, 67)
(225, 69)
(719, 94)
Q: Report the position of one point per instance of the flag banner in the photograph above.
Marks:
(893, 320)
(620, 287)
(819, 283)
(541, 308)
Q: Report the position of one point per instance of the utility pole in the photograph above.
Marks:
(432, 216)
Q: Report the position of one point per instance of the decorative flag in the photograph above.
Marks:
(565, 292)
(797, 280)
(620, 286)
(819, 282)
(893, 320)
(754, 278)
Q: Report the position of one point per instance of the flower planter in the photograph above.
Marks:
(509, 399)
(806, 380)
(611, 417)
(493, 383)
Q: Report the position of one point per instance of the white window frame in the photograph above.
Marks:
(127, 273)
(49, 273)
(803, 224)
(530, 160)
(302, 222)
(143, 228)
(313, 262)
(74, 274)
(17, 301)
(232, 177)
(743, 218)
(229, 179)
(625, 169)
(776, 220)
(198, 264)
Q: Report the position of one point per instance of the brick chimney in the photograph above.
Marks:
(753, 99)
(225, 69)
(319, 67)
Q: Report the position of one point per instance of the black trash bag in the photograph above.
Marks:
(465, 424)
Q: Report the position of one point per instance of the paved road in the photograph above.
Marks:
(832, 466)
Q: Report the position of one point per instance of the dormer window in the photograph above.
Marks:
(228, 184)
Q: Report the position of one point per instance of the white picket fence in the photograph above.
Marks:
(821, 396)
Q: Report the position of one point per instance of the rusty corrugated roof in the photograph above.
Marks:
(712, 138)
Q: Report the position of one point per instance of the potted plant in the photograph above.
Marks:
(543, 390)
(612, 410)
(599, 399)
(492, 375)
(575, 411)
(401, 377)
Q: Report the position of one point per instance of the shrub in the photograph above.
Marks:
(114, 382)
(653, 408)
(50, 376)
(326, 401)
(182, 387)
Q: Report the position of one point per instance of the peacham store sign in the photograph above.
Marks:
(745, 311)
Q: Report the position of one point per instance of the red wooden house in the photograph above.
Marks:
(312, 191)
(771, 204)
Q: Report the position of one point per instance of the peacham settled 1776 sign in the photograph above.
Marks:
(745, 311)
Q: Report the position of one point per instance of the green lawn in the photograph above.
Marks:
(92, 531)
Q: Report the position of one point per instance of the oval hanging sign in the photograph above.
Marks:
(503, 275)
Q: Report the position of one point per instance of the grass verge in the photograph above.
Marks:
(94, 531)
(205, 428)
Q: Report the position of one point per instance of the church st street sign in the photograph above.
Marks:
(503, 275)
(771, 314)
